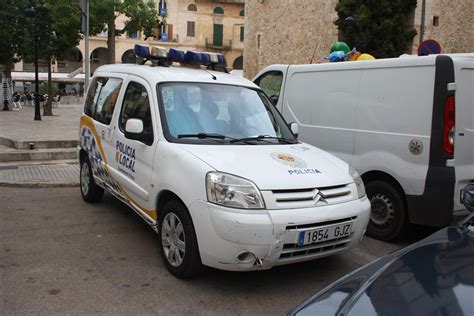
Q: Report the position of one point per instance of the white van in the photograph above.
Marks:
(406, 124)
(205, 159)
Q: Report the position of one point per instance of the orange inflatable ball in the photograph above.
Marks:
(366, 57)
(354, 56)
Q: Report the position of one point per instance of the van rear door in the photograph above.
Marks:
(464, 135)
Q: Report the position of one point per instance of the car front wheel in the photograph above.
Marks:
(179, 248)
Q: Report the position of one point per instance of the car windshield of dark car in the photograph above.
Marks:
(221, 114)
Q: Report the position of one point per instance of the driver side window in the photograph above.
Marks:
(270, 83)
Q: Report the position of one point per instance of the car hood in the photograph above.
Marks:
(434, 276)
(275, 167)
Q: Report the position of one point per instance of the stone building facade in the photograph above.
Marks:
(302, 31)
(199, 35)
(450, 22)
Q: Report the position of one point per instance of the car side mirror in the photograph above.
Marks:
(467, 196)
(274, 99)
(134, 129)
(294, 128)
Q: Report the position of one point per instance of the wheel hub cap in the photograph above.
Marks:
(85, 178)
(382, 213)
(173, 239)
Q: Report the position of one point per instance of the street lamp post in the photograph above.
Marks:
(33, 12)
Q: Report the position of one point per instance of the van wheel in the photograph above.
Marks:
(179, 248)
(388, 216)
(90, 191)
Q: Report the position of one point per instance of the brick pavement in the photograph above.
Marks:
(40, 175)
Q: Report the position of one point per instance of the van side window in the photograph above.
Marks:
(91, 99)
(107, 99)
(136, 104)
(271, 84)
(101, 99)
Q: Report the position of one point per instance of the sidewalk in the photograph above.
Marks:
(58, 174)
(19, 126)
(52, 162)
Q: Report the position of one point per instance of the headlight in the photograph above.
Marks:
(358, 181)
(232, 191)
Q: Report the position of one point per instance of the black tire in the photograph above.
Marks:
(388, 217)
(90, 191)
(190, 264)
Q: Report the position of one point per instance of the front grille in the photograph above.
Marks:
(312, 196)
(295, 251)
(314, 225)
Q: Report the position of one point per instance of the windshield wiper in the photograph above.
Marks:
(265, 138)
(202, 136)
(214, 136)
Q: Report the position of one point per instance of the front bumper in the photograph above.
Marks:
(266, 238)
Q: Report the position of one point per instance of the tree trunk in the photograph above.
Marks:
(111, 41)
(8, 75)
(48, 107)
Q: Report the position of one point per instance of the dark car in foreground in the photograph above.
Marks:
(434, 276)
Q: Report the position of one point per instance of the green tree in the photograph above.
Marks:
(58, 26)
(141, 16)
(377, 27)
(11, 31)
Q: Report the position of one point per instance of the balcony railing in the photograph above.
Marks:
(226, 45)
(222, 1)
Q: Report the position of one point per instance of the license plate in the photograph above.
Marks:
(323, 234)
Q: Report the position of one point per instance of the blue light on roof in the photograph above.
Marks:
(176, 55)
(206, 58)
(193, 58)
(142, 51)
(220, 59)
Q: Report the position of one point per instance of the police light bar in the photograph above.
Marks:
(176, 55)
(213, 59)
(194, 58)
(157, 52)
(141, 51)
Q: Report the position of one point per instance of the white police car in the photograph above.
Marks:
(205, 159)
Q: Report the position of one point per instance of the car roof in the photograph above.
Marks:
(174, 73)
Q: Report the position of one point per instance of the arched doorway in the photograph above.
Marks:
(99, 57)
(238, 63)
(70, 60)
(128, 57)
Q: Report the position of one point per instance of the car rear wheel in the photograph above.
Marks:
(90, 191)
(179, 248)
(388, 217)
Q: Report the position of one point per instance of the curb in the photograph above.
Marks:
(39, 184)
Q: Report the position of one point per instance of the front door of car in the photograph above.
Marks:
(133, 160)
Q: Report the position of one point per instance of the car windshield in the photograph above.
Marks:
(213, 113)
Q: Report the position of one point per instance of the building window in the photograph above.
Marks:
(133, 35)
(258, 41)
(436, 20)
(241, 33)
(191, 28)
(242, 13)
(192, 7)
(218, 10)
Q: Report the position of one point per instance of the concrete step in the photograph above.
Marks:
(11, 154)
(42, 144)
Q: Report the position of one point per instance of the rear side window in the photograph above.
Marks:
(136, 104)
(270, 83)
(101, 98)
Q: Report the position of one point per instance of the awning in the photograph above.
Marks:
(43, 76)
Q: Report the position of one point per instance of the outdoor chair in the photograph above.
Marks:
(16, 101)
(57, 100)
